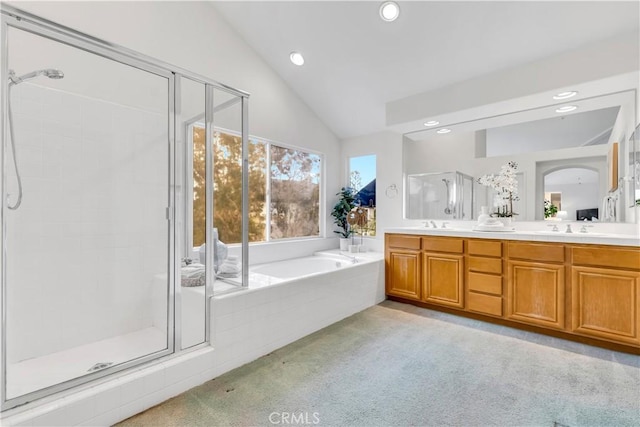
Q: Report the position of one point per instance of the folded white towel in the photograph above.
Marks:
(193, 275)
(229, 268)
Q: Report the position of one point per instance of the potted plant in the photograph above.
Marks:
(550, 209)
(346, 202)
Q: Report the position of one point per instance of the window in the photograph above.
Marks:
(295, 193)
(290, 187)
(362, 178)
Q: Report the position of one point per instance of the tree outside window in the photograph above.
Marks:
(294, 202)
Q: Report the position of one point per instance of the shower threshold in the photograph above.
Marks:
(34, 374)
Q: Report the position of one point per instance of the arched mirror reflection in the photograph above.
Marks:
(572, 193)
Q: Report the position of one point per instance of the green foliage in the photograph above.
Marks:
(227, 185)
(295, 190)
(549, 209)
(295, 193)
(346, 202)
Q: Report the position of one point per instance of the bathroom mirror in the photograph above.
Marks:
(560, 153)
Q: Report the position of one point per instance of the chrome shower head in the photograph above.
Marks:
(49, 72)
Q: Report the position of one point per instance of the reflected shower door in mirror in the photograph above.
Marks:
(87, 244)
(447, 195)
(540, 141)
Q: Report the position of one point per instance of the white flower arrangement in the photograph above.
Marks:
(506, 186)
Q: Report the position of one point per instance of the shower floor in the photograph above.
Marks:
(40, 372)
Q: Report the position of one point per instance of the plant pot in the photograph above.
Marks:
(344, 244)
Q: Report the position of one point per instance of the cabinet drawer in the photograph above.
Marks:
(485, 283)
(405, 242)
(485, 265)
(606, 257)
(440, 244)
(539, 252)
(485, 248)
(485, 304)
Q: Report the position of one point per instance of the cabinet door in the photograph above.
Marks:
(403, 273)
(442, 276)
(605, 303)
(536, 293)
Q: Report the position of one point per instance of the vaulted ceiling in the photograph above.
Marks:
(355, 63)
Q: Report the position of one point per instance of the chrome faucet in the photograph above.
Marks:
(555, 227)
(433, 224)
(568, 230)
(583, 229)
(353, 259)
(444, 224)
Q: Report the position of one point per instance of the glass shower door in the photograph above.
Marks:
(87, 232)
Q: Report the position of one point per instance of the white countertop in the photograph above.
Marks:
(536, 236)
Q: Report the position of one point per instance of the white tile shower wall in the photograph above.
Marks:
(91, 231)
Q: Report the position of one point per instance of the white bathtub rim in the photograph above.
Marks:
(364, 258)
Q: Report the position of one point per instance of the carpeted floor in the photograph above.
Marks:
(399, 365)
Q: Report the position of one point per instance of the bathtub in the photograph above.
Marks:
(287, 300)
(319, 263)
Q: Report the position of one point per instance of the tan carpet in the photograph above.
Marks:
(399, 365)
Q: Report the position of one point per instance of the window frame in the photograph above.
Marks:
(188, 223)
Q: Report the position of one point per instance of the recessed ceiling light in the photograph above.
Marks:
(389, 11)
(566, 109)
(444, 130)
(565, 95)
(432, 123)
(296, 58)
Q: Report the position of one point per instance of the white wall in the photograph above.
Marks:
(198, 39)
(494, 93)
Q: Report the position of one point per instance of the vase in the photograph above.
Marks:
(506, 221)
(484, 215)
(344, 244)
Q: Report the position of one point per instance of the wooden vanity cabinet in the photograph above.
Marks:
(536, 284)
(443, 271)
(402, 266)
(605, 293)
(585, 292)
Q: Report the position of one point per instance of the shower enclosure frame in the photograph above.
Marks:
(12, 17)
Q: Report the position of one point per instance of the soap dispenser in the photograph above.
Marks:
(484, 215)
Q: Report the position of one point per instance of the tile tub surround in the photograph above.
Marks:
(245, 325)
(254, 322)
